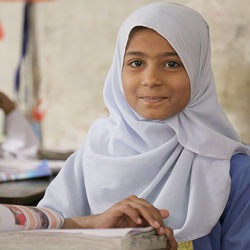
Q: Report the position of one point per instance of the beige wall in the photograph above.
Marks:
(76, 42)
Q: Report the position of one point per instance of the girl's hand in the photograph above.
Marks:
(137, 212)
(130, 212)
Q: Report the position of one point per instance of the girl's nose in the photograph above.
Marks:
(151, 77)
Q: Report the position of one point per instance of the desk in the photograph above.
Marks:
(25, 192)
(29, 192)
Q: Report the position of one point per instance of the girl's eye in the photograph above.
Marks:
(136, 64)
(172, 64)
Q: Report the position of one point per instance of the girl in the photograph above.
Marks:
(166, 156)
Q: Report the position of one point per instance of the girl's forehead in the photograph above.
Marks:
(136, 29)
(148, 39)
(132, 33)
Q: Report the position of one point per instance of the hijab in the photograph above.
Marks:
(181, 163)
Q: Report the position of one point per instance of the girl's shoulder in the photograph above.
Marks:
(240, 172)
(240, 163)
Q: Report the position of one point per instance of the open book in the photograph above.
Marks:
(84, 239)
(33, 228)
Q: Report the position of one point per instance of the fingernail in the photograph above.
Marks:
(156, 224)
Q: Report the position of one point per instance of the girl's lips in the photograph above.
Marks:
(153, 98)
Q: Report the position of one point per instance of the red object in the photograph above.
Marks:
(21, 218)
(1, 31)
(38, 112)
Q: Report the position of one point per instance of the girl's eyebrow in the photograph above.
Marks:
(138, 53)
(134, 53)
(171, 54)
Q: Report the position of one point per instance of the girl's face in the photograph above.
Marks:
(155, 82)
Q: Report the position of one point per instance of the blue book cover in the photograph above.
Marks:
(23, 169)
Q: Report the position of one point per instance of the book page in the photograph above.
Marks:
(104, 232)
(17, 218)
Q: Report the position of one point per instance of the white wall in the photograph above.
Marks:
(76, 42)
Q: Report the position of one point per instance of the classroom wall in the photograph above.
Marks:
(76, 41)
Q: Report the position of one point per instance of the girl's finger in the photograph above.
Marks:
(149, 213)
(121, 209)
(172, 243)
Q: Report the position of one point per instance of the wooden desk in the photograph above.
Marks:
(25, 192)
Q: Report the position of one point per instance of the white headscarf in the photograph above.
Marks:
(180, 164)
